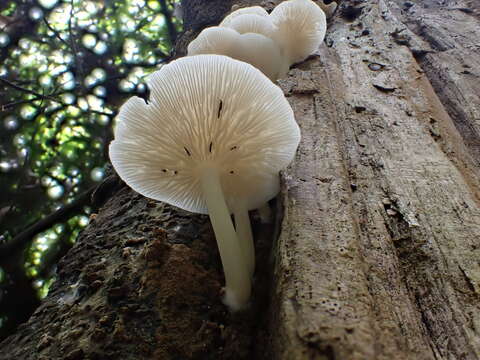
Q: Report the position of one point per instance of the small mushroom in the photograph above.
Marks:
(252, 23)
(298, 27)
(253, 48)
(255, 10)
(301, 27)
(211, 139)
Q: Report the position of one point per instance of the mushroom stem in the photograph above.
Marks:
(285, 65)
(237, 277)
(244, 232)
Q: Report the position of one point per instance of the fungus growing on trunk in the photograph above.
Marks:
(253, 48)
(301, 27)
(297, 28)
(252, 23)
(250, 20)
(212, 139)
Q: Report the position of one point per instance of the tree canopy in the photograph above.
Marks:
(65, 68)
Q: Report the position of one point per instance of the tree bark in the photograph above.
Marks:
(375, 250)
(379, 248)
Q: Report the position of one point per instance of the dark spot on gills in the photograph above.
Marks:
(220, 109)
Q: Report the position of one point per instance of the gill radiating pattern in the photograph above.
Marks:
(167, 140)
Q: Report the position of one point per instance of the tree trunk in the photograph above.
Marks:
(378, 256)
(375, 252)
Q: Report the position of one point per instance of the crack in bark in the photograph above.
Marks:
(426, 323)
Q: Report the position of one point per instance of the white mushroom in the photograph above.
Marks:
(255, 49)
(252, 23)
(301, 27)
(212, 138)
(298, 27)
(215, 40)
(256, 10)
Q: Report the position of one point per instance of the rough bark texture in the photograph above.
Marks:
(378, 256)
(378, 250)
(143, 282)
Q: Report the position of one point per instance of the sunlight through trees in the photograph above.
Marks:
(65, 68)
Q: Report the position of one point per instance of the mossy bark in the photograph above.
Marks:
(375, 250)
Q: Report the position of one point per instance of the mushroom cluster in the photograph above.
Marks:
(212, 138)
(272, 43)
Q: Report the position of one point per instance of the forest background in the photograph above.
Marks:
(65, 67)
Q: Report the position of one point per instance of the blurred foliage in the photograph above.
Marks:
(65, 68)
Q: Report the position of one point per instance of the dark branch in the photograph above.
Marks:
(57, 34)
(25, 90)
(42, 97)
(96, 196)
(73, 45)
(172, 32)
(18, 243)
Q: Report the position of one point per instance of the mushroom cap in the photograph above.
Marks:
(205, 112)
(255, 49)
(214, 40)
(301, 27)
(252, 23)
(257, 10)
(261, 52)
